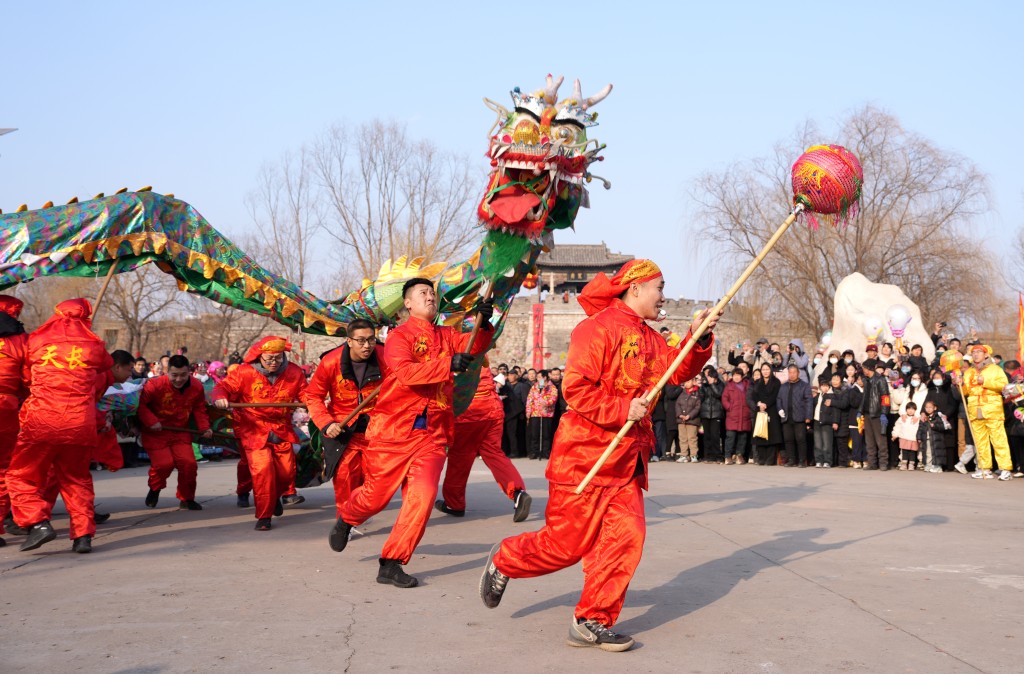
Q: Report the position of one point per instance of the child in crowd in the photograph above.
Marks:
(688, 415)
(931, 436)
(904, 431)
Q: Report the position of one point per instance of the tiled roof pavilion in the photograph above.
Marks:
(580, 256)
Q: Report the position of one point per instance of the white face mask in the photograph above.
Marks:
(848, 360)
(937, 382)
(817, 359)
(833, 360)
(915, 382)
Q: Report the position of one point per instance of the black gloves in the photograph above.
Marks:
(485, 309)
(461, 362)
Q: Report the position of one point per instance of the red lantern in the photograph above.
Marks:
(530, 282)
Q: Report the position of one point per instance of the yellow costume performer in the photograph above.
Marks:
(983, 386)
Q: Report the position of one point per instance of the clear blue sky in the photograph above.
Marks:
(192, 97)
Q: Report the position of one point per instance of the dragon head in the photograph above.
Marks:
(541, 157)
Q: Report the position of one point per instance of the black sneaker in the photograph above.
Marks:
(37, 535)
(243, 500)
(338, 538)
(263, 524)
(292, 499)
(443, 507)
(391, 573)
(189, 505)
(152, 497)
(521, 501)
(82, 544)
(278, 508)
(492, 582)
(13, 528)
(592, 633)
(100, 518)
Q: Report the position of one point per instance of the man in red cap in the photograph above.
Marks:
(614, 360)
(411, 426)
(13, 351)
(343, 379)
(169, 400)
(58, 424)
(478, 432)
(265, 434)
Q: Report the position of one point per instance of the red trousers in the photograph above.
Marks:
(414, 465)
(603, 526)
(166, 455)
(273, 472)
(27, 481)
(8, 438)
(472, 439)
(244, 477)
(350, 471)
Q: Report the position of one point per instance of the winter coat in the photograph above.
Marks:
(669, 397)
(688, 404)
(795, 400)
(734, 402)
(828, 414)
(798, 358)
(767, 393)
(711, 400)
(846, 409)
(875, 389)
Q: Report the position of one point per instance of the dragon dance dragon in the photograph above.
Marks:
(540, 157)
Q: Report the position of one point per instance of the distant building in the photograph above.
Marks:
(570, 267)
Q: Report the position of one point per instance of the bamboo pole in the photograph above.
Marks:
(688, 347)
(103, 288)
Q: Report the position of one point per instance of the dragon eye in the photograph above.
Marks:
(565, 133)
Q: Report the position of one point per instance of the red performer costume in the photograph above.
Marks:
(169, 400)
(65, 358)
(13, 350)
(411, 425)
(334, 392)
(614, 359)
(265, 434)
(478, 432)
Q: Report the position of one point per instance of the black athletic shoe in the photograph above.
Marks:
(338, 538)
(100, 518)
(189, 505)
(292, 499)
(443, 507)
(263, 524)
(82, 544)
(521, 501)
(391, 573)
(492, 582)
(592, 633)
(13, 528)
(37, 535)
(278, 508)
(243, 500)
(152, 497)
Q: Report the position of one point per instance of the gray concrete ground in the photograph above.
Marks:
(746, 569)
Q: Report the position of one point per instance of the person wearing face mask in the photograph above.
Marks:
(946, 401)
(886, 358)
(848, 359)
(832, 365)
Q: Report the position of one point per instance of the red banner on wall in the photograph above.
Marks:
(538, 336)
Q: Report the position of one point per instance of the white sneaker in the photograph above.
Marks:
(1005, 475)
(682, 459)
(961, 468)
(1018, 474)
(817, 465)
(825, 465)
(982, 474)
(654, 459)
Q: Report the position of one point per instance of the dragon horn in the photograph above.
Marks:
(551, 90)
(598, 97)
(577, 92)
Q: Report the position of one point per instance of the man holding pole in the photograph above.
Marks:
(614, 360)
(265, 388)
(169, 400)
(412, 424)
(983, 386)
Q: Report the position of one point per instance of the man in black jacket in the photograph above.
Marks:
(794, 408)
(872, 407)
(515, 410)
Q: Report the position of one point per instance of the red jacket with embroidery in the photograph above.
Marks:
(418, 356)
(65, 357)
(332, 392)
(486, 405)
(614, 356)
(253, 425)
(13, 354)
(162, 403)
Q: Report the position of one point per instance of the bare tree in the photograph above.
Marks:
(917, 200)
(387, 195)
(41, 295)
(286, 208)
(138, 299)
